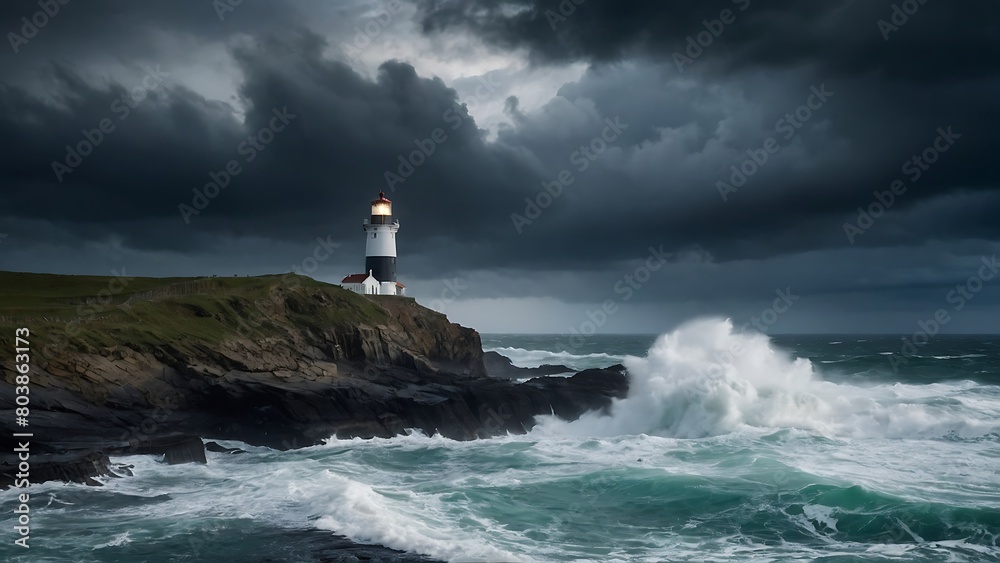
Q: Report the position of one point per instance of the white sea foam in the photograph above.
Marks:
(958, 357)
(117, 541)
(362, 502)
(404, 520)
(821, 515)
(704, 379)
(533, 358)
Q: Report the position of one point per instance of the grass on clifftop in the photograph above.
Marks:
(83, 312)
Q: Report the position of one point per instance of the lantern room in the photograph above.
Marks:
(381, 210)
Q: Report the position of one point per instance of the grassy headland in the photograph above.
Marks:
(81, 313)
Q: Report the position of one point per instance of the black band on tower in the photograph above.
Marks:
(382, 267)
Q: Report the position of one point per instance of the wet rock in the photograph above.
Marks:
(498, 365)
(73, 467)
(215, 447)
(175, 448)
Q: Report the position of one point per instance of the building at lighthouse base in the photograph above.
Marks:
(366, 284)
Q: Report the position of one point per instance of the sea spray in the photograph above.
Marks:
(705, 379)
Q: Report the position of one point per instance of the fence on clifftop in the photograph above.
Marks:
(180, 288)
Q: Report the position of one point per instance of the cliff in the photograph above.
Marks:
(145, 365)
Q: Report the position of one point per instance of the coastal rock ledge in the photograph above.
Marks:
(277, 361)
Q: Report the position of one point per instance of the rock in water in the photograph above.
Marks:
(215, 447)
(500, 366)
(175, 448)
(73, 467)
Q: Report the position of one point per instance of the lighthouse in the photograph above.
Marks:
(380, 231)
(380, 253)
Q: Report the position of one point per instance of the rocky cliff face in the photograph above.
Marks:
(298, 334)
(270, 361)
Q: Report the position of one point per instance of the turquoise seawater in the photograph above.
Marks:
(730, 447)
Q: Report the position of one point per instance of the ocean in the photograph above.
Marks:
(729, 447)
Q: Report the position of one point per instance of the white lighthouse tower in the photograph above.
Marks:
(380, 253)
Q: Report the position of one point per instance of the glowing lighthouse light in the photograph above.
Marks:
(380, 253)
(381, 208)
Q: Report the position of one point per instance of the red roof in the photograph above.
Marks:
(400, 285)
(355, 278)
(381, 199)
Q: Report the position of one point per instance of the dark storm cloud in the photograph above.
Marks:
(125, 29)
(856, 144)
(667, 137)
(935, 70)
(316, 176)
(841, 36)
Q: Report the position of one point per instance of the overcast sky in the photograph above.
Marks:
(650, 113)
